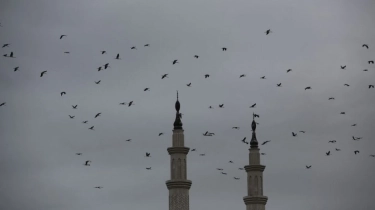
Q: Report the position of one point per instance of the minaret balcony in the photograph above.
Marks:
(255, 200)
(178, 150)
(255, 168)
(185, 184)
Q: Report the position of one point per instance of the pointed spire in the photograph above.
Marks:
(254, 141)
(177, 122)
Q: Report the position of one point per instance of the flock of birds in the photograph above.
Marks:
(11, 54)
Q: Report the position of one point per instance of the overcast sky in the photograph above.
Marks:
(38, 141)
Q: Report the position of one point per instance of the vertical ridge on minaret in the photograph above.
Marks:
(255, 200)
(178, 185)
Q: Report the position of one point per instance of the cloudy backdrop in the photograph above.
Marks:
(38, 141)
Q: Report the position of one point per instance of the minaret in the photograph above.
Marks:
(178, 185)
(254, 199)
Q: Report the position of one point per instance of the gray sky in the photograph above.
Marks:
(38, 141)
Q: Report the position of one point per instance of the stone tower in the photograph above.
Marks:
(255, 200)
(178, 185)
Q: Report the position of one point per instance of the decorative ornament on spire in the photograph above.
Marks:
(254, 141)
(177, 122)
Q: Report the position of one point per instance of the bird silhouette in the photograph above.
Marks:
(149, 168)
(164, 76)
(103, 52)
(236, 178)
(123, 103)
(67, 52)
(219, 169)
(16, 68)
(133, 48)
(202, 154)
(365, 45)
(196, 56)
(63, 93)
(97, 115)
(343, 67)
(161, 134)
(279, 85)
(288, 70)
(2, 104)
(302, 131)
(242, 75)
(371, 62)
(253, 106)
(354, 124)
(307, 88)
(91, 128)
(371, 86)
(237, 128)
(148, 154)
(342, 112)
(332, 141)
(308, 167)
(99, 68)
(5, 45)
(263, 153)
(337, 149)
(365, 70)
(85, 122)
(174, 62)
(87, 163)
(210, 107)
(331, 98)
(240, 168)
(118, 56)
(97, 82)
(206, 76)
(189, 85)
(146, 89)
(221, 105)
(268, 31)
(146, 45)
(223, 173)
(328, 153)
(265, 142)
(78, 153)
(98, 187)
(294, 134)
(71, 117)
(11, 55)
(74, 106)
(130, 103)
(193, 150)
(354, 138)
(128, 139)
(347, 85)
(62, 36)
(264, 77)
(106, 65)
(356, 152)
(43, 72)
(230, 161)
(256, 115)
(224, 49)
(372, 155)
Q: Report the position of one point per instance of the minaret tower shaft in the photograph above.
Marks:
(178, 185)
(255, 200)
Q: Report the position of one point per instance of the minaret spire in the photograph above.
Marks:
(178, 185)
(255, 200)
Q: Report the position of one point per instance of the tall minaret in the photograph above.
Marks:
(254, 199)
(178, 185)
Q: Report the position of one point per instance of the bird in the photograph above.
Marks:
(263, 153)
(5, 45)
(278, 85)
(268, 31)
(223, 173)
(2, 104)
(356, 152)
(148, 154)
(149, 168)
(202, 154)
(264, 77)
(365, 45)
(236, 178)
(328, 153)
(161, 134)
(230, 161)
(16, 68)
(78, 153)
(118, 56)
(244, 140)
(265, 142)
(372, 155)
(294, 134)
(354, 124)
(242, 75)
(308, 167)
(371, 62)
(128, 139)
(130, 103)
(66, 52)
(224, 49)
(256, 115)
(133, 48)
(106, 65)
(10, 55)
(196, 56)
(219, 169)
(288, 70)
(221, 105)
(331, 98)
(343, 67)
(342, 112)
(103, 52)
(347, 85)
(99, 68)
(210, 107)
(85, 122)
(164, 76)
(123, 103)
(332, 141)
(62, 36)
(354, 138)
(99, 187)
(97, 82)
(91, 128)
(63, 93)
(87, 163)
(71, 117)
(174, 62)
(302, 131)
(189, 85)
(193, 150)
(97, 115)
(43, 72)
(146, 45)
(237, 128)
(371, 86)
(74, 106)
(253, 106)
(206, 76)
(337, 149)
(365, 70)
(240, 168)
(146, 89)
(307, 88)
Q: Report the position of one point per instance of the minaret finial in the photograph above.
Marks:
(177, 123)
(254, 141)
(177, 95)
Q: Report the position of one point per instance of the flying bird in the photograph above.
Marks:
(302, 131)
(146, 45)
(148, 154)
(97, 82)
(67, 52)
(189, 85)
(2, 104)
(118, 56)
(236, 178)
(236, 128)
(193, 150)
(307, 88)
(196, 56)
(62, 36)
(99, 187)
(331, 98)
(263, 153)
(103, 52)
(43, 72)
(133, 48)
(149, 168)
(264, 77)
(71, 117)
(219, 169)
(223, 173)
(130, 103)
(332, 141)
(354, 124)
(308, 167)
(63, 93)
(97, 115)
(123, 103)
(230, 161)
(99, 68)
(161, 134)
(294, 134)
(278, 85)
(356, 152)
(164, 76)
(337, 149)
(221, 105)
(242, 75)
(85, 122)
(370, 62)
(240, 168)
(268, 31)
(343, 67)
(128, 139)
(288, 70)
(16, 68)
(256, 115)
(210, 107)
(372, 155)
(342, 112)
(244, 140)
(206, 76)
(253, 106)
(265, 142)
(106, 65)
(347, 85)
(5, 45)
(91, 128)
(202, 154)
(146, 89)
(174, 62)
(328, 153)
(224, 49)
(87, 163)
(371, 86)
(74, 107)
(78, 153)
(365, 45)
(365, 70)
